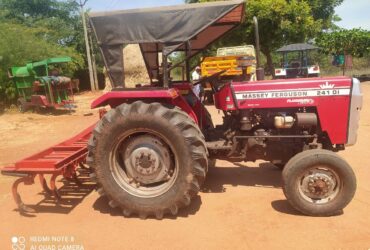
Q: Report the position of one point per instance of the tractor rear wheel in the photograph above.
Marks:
(318, 182)
(149, 159)
(209, 127)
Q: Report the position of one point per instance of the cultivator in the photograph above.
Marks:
(65, 159)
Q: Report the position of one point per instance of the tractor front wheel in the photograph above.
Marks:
(149, 159)
(318, 182)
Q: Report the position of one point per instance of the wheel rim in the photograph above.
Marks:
(319, 184)
(142, 163)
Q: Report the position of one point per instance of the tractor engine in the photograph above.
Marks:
(273, 135)
(275, 120)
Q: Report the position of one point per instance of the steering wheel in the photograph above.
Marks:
(210, 79)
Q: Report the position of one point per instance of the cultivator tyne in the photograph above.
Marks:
(66, 159)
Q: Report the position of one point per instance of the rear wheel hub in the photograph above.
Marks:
(146, 159)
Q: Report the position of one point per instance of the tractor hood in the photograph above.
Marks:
(190, 27)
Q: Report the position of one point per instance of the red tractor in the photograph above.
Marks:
(150, 153)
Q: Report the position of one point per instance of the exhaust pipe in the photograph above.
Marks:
(260, 72)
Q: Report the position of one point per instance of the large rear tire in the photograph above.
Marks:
(318, 182)
(149, 159)
(209, 127)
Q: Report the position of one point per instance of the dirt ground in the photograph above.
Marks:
(242, 205)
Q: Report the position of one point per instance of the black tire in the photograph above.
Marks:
(211, 163)
(279, 165)
(313, 75)
(326, 171)
(210, 126)
(173, 128)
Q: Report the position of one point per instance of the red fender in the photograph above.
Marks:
(171, 96)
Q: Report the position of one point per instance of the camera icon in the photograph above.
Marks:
(18, 243)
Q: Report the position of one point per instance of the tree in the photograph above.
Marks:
(282, 22)
(58, 21)
(355, 42)
(324, 10)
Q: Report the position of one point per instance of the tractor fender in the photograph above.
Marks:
(168, 96)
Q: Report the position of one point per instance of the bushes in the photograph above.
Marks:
(8, 93)
(19, 45)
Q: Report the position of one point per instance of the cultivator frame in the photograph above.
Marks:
(63, 159)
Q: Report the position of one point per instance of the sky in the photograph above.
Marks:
(354, 13)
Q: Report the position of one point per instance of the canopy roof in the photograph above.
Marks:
(27, 70)
(297, 47)
(190, 28)
(52, 61)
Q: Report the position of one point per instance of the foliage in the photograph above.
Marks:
(8, 93)
(282, 22)
(57, 20)
(35, 30)
(324, 10)
(355, 42)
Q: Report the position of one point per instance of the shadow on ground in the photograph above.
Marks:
(266, 175)
(71, 195)
(101, 205)
(54, 112)
(284, 207)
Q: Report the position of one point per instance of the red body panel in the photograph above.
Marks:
(39, 100)
(42, 101)
(188, 102)
(330, 96)
(114, 98)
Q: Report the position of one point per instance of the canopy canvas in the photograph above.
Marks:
(296, 47)
(189, 28)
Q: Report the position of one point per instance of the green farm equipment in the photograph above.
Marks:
(39, 84)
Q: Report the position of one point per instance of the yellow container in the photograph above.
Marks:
(212, 65)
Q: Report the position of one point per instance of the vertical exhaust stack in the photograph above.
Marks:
(260, 72)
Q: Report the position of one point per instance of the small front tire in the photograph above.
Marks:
(318, 182)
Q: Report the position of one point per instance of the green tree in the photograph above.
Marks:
(324, 10)
(58, 21)
(282, 22)
(355, 42)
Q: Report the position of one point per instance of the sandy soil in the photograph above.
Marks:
(242, 205)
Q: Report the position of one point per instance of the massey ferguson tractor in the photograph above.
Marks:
(150, 153)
